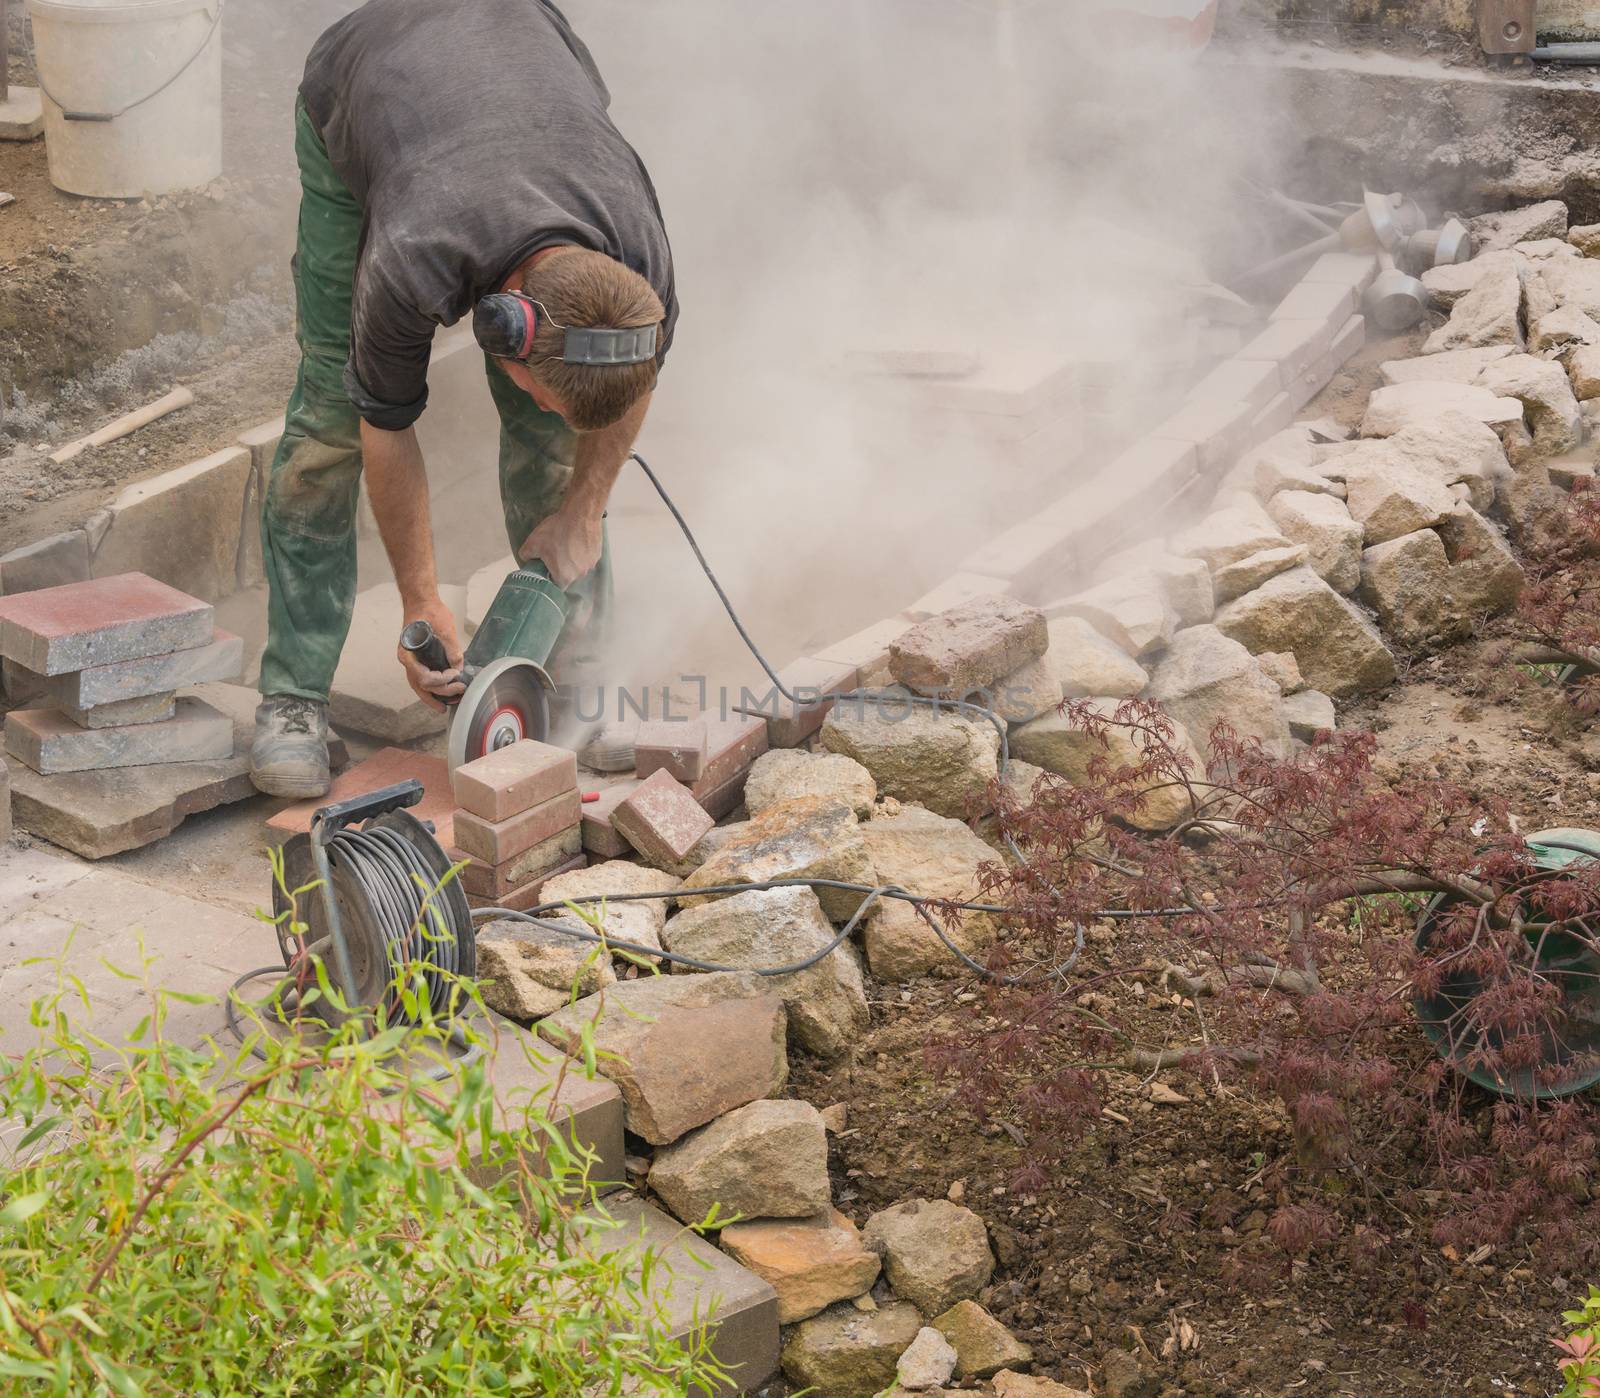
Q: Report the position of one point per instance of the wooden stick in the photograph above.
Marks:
(127, 423)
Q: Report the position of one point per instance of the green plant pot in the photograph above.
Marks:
(1571, 1045)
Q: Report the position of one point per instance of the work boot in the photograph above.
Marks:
(290, 754)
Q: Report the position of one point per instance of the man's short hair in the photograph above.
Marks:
(577, 287)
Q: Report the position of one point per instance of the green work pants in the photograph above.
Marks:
(308, 514)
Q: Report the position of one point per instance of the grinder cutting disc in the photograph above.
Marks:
(508, 701)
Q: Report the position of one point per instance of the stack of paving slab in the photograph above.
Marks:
(110, 655)
(700, 761)
(517, 824)
(105, 663)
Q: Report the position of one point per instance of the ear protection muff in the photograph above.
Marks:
(504, 324)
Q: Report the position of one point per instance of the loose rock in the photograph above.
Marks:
(934, 857)
(1447, 285)
(1229, 536)
(983, 1345)
(637, 922)
(767, 927)
(1338, 650)
(1545, 394)
(935, 1253)
(1130, 610)
(529, 971)
(1573, 281)
(1205, 679)
(1388, 501)
(1489, 314)
(1010, 1385)
(1239, 578)
(1565, 328)
(1309, 712)
(810, 1263)
(1023, 694)
(943, 761)
(1493, 232)
(969, 647)
(1331, 537)
(1058, 744)
(1451, 450)
(787, 773)
(1583, 368)
(1283, 670)
(1085, 662)
(1453, 366)
(929, 1362)
(1484, 574)
(682, 1050)
(812, 837)
(846, 1353)
(768, 1159)
(1393, 409)
(1184, 582)
(1586, 238)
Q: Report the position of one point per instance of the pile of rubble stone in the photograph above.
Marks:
(1324, 553)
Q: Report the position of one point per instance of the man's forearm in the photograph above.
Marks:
(397, 485)
(598, 462)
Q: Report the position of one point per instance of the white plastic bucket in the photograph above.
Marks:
(154, 68)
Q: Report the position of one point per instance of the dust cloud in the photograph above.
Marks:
(1036, 185)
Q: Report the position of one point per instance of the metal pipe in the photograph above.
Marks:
(1577, 55)
(5, 54)
(1332, 243)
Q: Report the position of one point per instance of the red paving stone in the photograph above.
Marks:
(514, 779)
(661, 819)
(676, 748)
(532, 865)
(790, 723)
(495, 842)
(530, 894)
(732, 747)
(128, 616)
(600, 836)
(384, 768)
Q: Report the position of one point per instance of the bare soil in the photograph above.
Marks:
(1157, 1220)
(106, 304)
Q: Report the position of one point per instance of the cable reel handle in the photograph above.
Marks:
(327, 820)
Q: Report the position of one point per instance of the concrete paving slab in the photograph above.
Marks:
(96, 814)
(182, 526)
(52, 562)
(698, 1285)
(126, 713)
(384, 768)
(370, 694)
(117, 938)
(30, 876)
(220, 658)
(526, 1073)
(21, 114)
(126, 617)
(50, 742)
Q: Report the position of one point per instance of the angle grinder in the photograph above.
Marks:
(507, 695)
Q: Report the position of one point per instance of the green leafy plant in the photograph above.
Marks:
(319, 1212)
(1581, 1365)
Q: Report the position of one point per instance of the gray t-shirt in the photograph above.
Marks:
(473, 133)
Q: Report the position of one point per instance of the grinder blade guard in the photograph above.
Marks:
(505, 667)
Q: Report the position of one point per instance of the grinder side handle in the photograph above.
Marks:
(420, 640)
